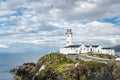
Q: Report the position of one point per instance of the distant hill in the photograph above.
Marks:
(117, 48)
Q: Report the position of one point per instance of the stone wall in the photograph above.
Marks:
(75, 57)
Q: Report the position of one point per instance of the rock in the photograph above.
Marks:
(26, 71)
(14, 70)
(60, 67)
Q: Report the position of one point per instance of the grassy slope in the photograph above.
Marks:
(60, 64)
(56, 61)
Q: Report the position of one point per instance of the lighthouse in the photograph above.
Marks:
(69, 37)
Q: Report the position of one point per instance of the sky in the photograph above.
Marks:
(40, 25)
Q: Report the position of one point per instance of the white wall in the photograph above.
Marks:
(84, 49)
(108, 51)
(69, 50)
(68, 39)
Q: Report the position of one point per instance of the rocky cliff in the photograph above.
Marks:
(56, 66)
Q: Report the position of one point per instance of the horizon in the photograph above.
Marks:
(40, 25)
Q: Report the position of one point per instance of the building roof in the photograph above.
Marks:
(95, 45)
(76, 46)
(107, 48)
(87, 46)
(72, 46)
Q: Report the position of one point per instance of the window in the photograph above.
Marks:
(68, 42)
(84, 48)
(87, 49)
(80, 48)
(91, 50)
(98, 50)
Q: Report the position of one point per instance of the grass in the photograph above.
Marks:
(57, 64)
(59, 61)
(94, 64)
(54, 57)
(60, 66)
(56, 61)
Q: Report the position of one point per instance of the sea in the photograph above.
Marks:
(10, 61)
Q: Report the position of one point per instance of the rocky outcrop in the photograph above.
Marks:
(14, 71)
(58, 67)
(25, 72)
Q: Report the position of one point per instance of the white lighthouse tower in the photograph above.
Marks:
(69, 37)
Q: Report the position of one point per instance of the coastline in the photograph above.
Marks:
(10, 61)
(31, 71)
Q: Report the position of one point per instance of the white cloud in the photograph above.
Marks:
(84, 7)
(37, 42)
(3, 13)
(97, 31)
(45, 21)
(3, 46)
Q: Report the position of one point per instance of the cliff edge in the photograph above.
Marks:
(55, 66)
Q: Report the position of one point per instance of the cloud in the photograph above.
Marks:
(3, 13)
(3, 46)
(27, 41)
(43, 22)
(92, 32)
(88, 10)
(97, 31)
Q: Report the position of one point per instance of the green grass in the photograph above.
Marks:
(56, 61)
(59, 64)
(94, 64)
(54, 57)
(83, 77)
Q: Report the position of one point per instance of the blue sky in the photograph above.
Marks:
(40, 25)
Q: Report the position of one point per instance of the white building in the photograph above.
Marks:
(77, 49)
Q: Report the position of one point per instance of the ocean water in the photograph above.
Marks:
(10, 61)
